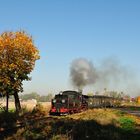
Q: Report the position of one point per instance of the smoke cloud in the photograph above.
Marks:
(82, 73)
(110, 74)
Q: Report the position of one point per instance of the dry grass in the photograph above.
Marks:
(105, 117)
(102, 116)
(28, 105)
(91, 124)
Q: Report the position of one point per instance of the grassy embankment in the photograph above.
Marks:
(99, 124)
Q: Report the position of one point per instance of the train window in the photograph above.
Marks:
(71, 96)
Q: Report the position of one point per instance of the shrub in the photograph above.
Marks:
(127, 124)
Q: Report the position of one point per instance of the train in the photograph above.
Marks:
(69, 102)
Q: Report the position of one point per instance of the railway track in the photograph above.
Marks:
(135, 112)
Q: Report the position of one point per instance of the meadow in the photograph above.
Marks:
(35, 123)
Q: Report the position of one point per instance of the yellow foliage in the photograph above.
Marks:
(17, 59)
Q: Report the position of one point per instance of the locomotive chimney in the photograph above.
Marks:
(80, 91)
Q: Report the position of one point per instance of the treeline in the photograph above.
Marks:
(39, 98)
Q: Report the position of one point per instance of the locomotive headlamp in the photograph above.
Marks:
(63, 101)
(54, 101)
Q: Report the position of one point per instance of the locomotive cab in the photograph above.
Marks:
(67, 102)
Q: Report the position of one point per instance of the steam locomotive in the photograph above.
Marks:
(69, 102)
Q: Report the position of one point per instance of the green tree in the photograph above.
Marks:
(49, 97)
(30, 96)
(17, 59)
(114, 94)
(39, 98)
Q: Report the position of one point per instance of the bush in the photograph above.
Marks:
(39, 109)
(127, 124)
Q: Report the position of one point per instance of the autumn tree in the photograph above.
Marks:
(17, 59)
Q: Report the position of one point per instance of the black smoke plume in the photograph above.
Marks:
(82, 73)
(110, 74)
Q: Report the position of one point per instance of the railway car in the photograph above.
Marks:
(100, 101)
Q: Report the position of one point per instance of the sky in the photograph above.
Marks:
(64, 30)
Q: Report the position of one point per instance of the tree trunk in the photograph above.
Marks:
(17, 102)
(7, 103)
